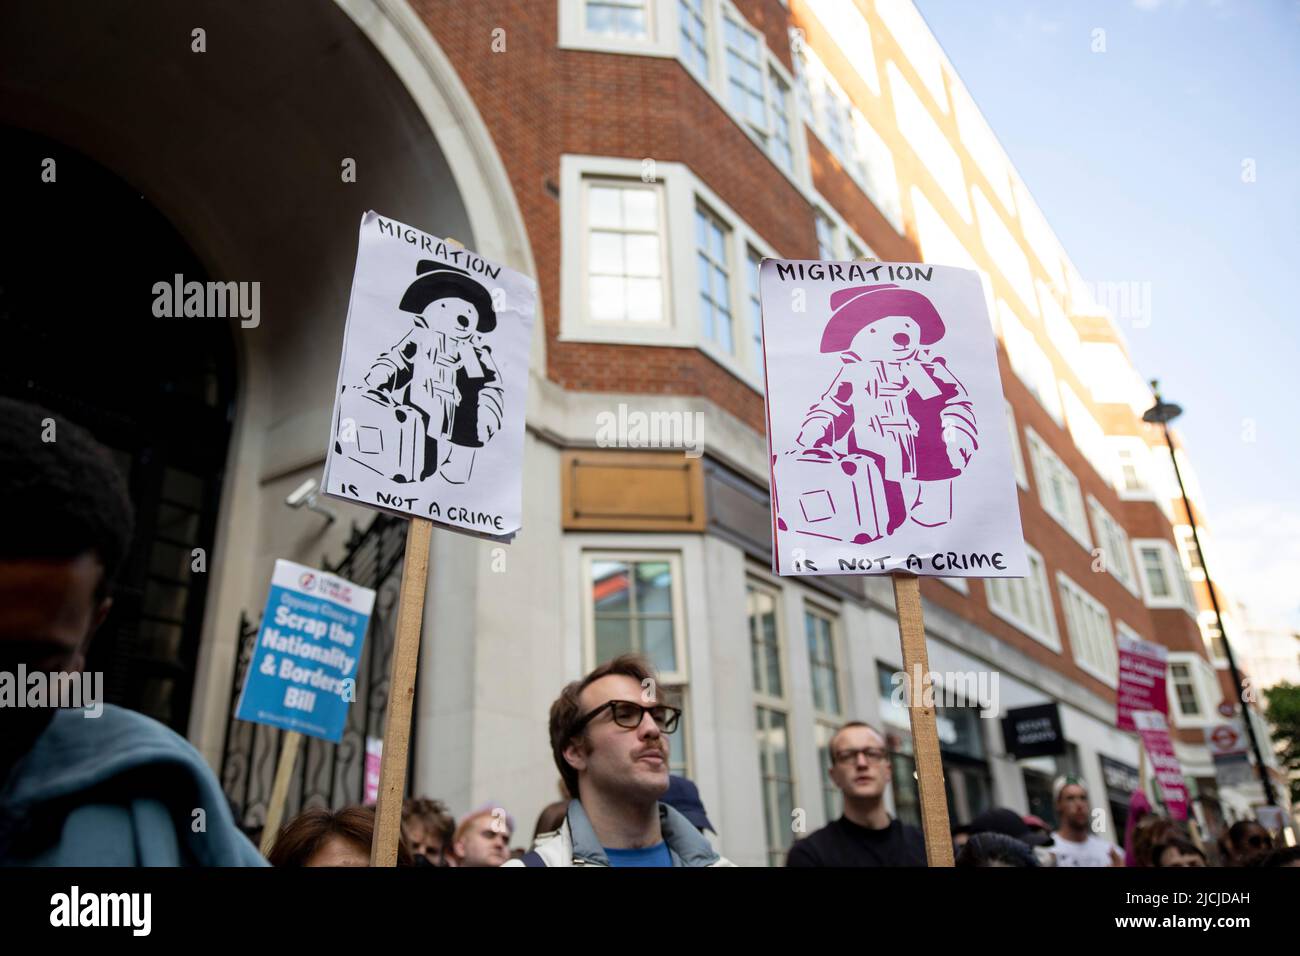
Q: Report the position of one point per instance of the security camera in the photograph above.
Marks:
(304, 494)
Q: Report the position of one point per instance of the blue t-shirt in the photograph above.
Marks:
(656, 855)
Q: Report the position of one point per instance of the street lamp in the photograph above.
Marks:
(1163, 413)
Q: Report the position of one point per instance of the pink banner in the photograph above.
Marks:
(374, 751)
(1142, 668)
(1153, 730)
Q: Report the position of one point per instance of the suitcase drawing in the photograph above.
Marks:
(388, 438)
(827, 495)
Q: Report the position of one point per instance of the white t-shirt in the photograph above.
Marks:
(1094, 851)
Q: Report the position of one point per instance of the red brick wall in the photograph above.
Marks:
(539, 102)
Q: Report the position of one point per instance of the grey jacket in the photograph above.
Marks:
(576, 844)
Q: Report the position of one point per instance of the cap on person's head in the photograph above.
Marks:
(1008, 823)
(684, 797)
(996, 849)
(1035, 823)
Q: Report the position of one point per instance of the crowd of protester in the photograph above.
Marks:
(124, 790)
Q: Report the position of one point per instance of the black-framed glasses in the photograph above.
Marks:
(628, 714)
(873, 755)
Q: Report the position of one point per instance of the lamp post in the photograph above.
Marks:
(1163, 413)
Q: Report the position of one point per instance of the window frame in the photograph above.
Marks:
(729, 273)
(1017, 450)
(707, 9)
(679, 678)
(1103, 521)
(659, 39)
(1050, 638)
(1181, 596)
(814, 609)
(826, 721)
(607, 182)
(1187, 683)
(646, 6)
(1042, 455)
(762, 700)
(1186, 548)
(753, 297)
(880, 186)
(1204, 681)
(682, 191)
(1107, 670)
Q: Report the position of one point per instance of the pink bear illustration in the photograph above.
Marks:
(886, 439)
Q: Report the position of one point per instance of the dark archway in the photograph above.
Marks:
(80, 338)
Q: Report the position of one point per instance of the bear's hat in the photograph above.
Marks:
(436, 280)
(855, 308)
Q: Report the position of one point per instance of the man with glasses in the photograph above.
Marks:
(609, 738)
(866, 835)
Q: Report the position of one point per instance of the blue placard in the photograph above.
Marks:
(302, 675)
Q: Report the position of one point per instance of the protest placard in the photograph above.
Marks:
(888, 448)
(302, 674)
(1142, 667)
(428, 422)
(429, 405)
(1154, 731)
(887, 435)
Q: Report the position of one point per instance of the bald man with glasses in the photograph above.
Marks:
(865, 835)
(609, 739)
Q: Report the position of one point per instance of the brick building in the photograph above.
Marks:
(638, 157)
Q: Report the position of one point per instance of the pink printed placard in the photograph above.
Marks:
(374, 751)
(1142, 669)
(1154, 731)
(887, 437)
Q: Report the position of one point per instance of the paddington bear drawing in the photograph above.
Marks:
(886, 439)
(436, 396)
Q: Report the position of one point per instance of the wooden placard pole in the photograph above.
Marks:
(401, 688)
(925, 734)
(280, 789)
(401, 695)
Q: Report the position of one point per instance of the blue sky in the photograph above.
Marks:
(1136, 156)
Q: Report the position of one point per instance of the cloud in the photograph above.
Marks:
(1257, 547)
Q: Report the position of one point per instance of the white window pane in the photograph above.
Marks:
(631, 22)
(645, 300)
(607, 298)
(609, 587)
(641, 209)
(603, 206)
(654, 587)
(613, 637)
(642, 255)
(657, 644)
(605, 254)
(600, 19)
